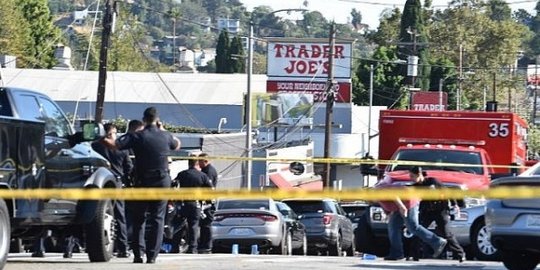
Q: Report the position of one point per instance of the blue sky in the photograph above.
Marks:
(371, 9)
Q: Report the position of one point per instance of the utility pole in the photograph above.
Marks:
(412, 64)
(460, 79)
(105, 42)
(509, 99)
(494, 87)
(370, 107)
(440, 93)
(174, 45)
(535, 89)
(248, 108)
(329, 105)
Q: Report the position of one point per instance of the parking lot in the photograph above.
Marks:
(23, 261)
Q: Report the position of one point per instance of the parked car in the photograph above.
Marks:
(514, 225)
(250, 222)
(40, 150)
(327, 226)
(531, 171)
(354, 210)
(295, 228)
(469, 227)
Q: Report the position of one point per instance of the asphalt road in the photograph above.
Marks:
(54, 261)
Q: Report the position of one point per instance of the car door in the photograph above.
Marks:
(63, 171)
(296, 228)
(345, 225)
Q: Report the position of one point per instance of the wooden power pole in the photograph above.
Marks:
(329, 106)
(105, 42)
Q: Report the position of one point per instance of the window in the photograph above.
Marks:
(441, 156)
(56, 123)
(29, 108)
(5, 106)
(244, 204)
(303, 207)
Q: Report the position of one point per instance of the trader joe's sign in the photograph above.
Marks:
(298, 58)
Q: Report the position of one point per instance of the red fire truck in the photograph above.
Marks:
(476, 139)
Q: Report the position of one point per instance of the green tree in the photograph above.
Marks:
(535, 41)
(387, 90)
(237, 58)
(524, 17)
(259, 63)
(223, 53)
(126, 52)
(444, 75)
(488, 46)
(315, 25)
(388, 29)
(356, 18)
(14, 32)
(498, 10)
(45, 35)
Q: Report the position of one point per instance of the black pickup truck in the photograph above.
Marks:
(40, 150)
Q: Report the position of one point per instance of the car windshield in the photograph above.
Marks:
(303, 207)
(244, 204)
(440, 156)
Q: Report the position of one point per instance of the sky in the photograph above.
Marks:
(339, 10)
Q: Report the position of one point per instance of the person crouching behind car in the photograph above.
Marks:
(406, 213)
(437, 211)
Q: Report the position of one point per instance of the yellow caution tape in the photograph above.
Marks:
(368, 194)
(351, 161)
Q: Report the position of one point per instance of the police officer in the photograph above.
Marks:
(193, 178)
(121, 166)
(205, 242)
(151, 145)
(208, 168)
(437, 211)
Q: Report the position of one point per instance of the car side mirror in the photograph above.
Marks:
(297, 168)
(92, 131)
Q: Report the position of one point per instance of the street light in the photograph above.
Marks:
(248, 95)
(77, 107)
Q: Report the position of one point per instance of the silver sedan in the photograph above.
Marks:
(249, 223)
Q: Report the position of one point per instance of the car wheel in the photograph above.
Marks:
(100, 233)
(516, 260)
(5, 233)
(336, 248)
(481, 244)
(285, 246)
(303, 250)
(289, 244)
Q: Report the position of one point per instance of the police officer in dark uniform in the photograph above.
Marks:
(152, 146)
(121, 166)
(438, 211)
(191, 210)
(205, 241)
(208, 169)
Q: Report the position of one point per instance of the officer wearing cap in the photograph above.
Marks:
(151, 146)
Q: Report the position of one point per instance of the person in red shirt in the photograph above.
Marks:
(405, 213)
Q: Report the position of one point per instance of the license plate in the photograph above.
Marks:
(241, 231)
(533, 221)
